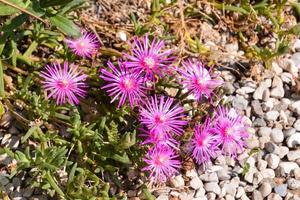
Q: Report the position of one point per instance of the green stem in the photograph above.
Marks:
(2, 91)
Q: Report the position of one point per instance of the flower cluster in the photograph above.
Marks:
(163, 119)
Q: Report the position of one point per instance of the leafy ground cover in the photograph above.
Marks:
(85, 147)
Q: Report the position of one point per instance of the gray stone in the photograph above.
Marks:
(209, 177)
(293, 155)
(224, 174)
(264, 131)
(296, 59)
(293, 140)
(191, 173)
(259, 122)
(212, 187)
(261, 164)
(196, 183)
(281, 190)
(288, 132)
(230, 188)
(293, 184)
(257, 109)
(239, 102)
(270, 147)
(245, 90)
(272, 115)
(277, 135)
(287, 167)
(297, 125)
(3, 180)
(256, 195)
(274, 196)
(265, 189)
(295, 107)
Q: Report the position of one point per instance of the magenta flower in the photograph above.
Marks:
(161, 117)
(198, 80)
(123, 84)
(149, 57)
(231, 130)
(64, 83)
(162, 163)
(204, 145)
(159, 139)
(84, 46)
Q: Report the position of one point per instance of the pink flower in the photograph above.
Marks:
(123, 84)
(204, 145)
(232, 131)
(159, 139)
(162, 163)
(84, 46)
(149, 57)
(161, 117)
(198, 80)
(64, 83)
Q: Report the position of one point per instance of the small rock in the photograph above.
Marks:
(230, 188)
(272, 115)
(293, 140)
(122, 35)
(211, 196)
(257, 178)
(200, 192)
(240, 192)
(249, 175)
(162, 197)
(293, 155)
(252, 142)
(296, 59)
(281, 151)
(131, 193)
(209, 177)
(264, 131)
(297, 125)
(212, 187)
(270, 147)
(273, 160)
(257, 109)
(281, 190)
(229, 197)
(191, 173)
(274, 196)
(277, 135)
(239, 102)
(264, 85)
(177, 181)
(287, 167)
(277, 92)
(268, 173)
(256, 195)
(261, 164)
(287, 77)
(295, 107)
(3, 180)
(265, 189)
(288, 132)
(296, 173)
(196, 183)
(224, 174)
(293, 184)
